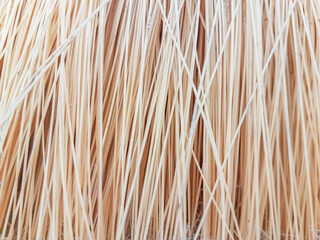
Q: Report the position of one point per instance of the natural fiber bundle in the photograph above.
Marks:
(160, 119)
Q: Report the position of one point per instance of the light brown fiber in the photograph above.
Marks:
(159, 119)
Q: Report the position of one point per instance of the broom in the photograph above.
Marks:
(160, 119)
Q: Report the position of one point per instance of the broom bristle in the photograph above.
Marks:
(159, 119)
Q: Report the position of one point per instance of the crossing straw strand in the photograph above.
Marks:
(159, 119)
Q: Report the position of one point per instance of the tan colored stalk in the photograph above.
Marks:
(159, 119)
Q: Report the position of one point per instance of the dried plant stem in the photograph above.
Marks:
(159, 119)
